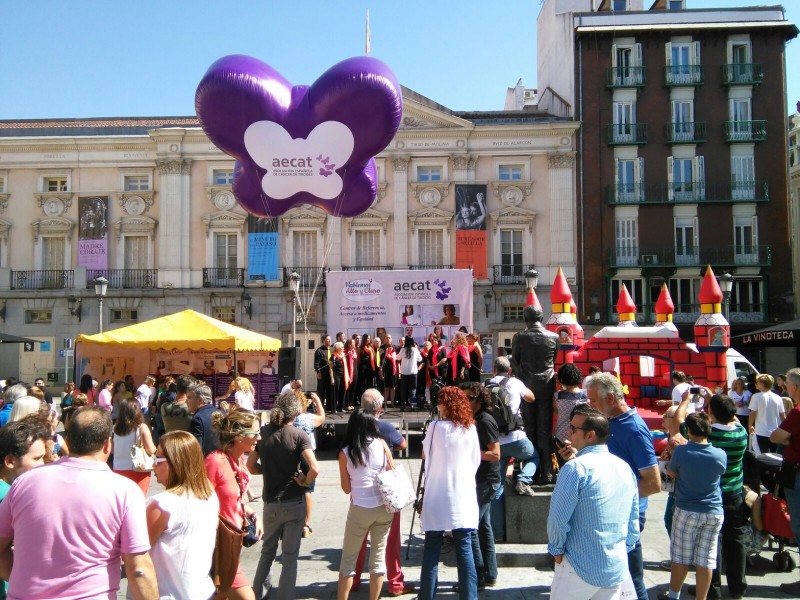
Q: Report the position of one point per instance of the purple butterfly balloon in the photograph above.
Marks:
(303, 144)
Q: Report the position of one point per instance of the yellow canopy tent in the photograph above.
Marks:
(186, 336)
(186, 330)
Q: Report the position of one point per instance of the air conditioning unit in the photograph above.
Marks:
(649, 259)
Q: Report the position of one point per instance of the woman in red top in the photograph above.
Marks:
(226, 469)
(366, 365)
(389, 370)
(458, 361)
(350, 357)
(475, 357)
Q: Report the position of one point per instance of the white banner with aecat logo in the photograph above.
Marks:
(399, 303)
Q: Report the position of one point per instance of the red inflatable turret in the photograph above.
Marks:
(562, 320)
(626, 309)
(712, 331)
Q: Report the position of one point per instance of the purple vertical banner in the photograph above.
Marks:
(92, 229)
(223, 382)
(267, 391)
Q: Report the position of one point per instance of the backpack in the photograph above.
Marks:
(501, 406)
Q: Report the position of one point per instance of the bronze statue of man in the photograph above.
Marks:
(532, 355)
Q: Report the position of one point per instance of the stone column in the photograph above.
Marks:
(562, 210)
(175, 218)
(400, 184)
(335, 238)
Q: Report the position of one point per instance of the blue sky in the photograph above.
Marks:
(145, 57)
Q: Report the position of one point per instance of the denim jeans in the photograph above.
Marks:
(483, 538)
(467, 578)
(731, 552)
(636, 563)
(283, 522)
(523, 451)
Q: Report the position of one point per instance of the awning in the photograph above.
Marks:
(7, 338)
(783, 334)
(185, 330)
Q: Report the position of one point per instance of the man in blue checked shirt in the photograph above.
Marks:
(594, 514)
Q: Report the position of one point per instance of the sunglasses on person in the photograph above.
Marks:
(575, 428)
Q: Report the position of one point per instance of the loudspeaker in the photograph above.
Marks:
(287, 363)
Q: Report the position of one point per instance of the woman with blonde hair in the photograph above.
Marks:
(27, 405)
(130, 430)
(182, 521)
(741, 398)
(242, 391)
(308, 422)
(225, 467)
(458, 363)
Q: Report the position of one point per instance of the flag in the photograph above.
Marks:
(366, 41)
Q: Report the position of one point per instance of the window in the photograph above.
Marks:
(743, 185)
(511, 254)
(222, 177)
(513, 312)
(687, 178)
(745, 240)
(746, 296)
(630, 178)
(135, 252)
(429, 173)
(53, 253)
(741, 126)
(682, 120)
(225, 249)
(627, 249)
(740, 69)
(42, 315)
(509, 172)
(619, 5)
(627, 60)
(684, 294)
(2, 184)
(624, 118)
(686, 242)
(224, 313)
(368, 248)
(55, 184)
(136, 183)
(124, 314)
(683, 62)
(635, 289)
(305, 249)
(431, 247)
(676, 4)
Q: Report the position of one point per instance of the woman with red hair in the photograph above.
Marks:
(452, 455)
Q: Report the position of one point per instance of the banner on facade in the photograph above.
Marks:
(471, 229)
(262, 249)
(92, 228)
(399, 303)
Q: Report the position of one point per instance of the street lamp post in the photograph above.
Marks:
(531, 278)
(294, 285)
(726, 285)
(100, 287)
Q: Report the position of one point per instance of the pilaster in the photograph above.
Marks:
(175, 216)
(400, 184)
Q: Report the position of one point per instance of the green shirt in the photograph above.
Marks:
(732, 439)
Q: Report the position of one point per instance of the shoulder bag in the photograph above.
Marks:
(142, 461)
(394, 484)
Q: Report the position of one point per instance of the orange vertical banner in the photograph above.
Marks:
(471, 251)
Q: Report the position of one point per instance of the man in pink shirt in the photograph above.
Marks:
(73, 521)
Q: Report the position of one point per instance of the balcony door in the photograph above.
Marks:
(511, 267)
(53, 251)
(686, 241)
(624, 119)
(134, 261)
(682, 120)
(627, 246)
(745, 240)
(743, 185)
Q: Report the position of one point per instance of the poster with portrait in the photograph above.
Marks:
(471, 216)
(92, 229)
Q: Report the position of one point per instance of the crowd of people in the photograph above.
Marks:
(185, 542)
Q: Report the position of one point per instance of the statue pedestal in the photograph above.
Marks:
(526, 516)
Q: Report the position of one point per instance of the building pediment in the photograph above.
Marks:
(136, 225)
(372, 218)
(305, 216)
(417, 116)
(512, 216)
(224, 220)
(430, 217)
(52, 226)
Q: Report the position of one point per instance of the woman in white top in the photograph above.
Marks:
(452, 455)
(129, 430)
(741, 398)
(182, 521)
(409, 358)
(242, 391)
(766, 413)
(362, 458)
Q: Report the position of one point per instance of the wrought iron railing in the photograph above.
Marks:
(41, 280)
(716, 256)
(430, 267)
(742, 74)
(688, 192)
(683, 75)
(679, 132)
(124, 278)
(225, 277)
(745, 131)
(510, 274)
(622, 134)
(624, 77)
(310, 277)
(368, 268)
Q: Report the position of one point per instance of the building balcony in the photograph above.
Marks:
(510, 274)
(744, 131)
(626, 134)
(369, 268)
(124, 278)
(625, 77)
(42, 280)
(683, 75)
(693, 132)
(310, 277)
(742, 74)
(690, 192)
(430, 267)
(719, 257)
(223, 278)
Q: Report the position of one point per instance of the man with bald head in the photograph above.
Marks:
(112, 529)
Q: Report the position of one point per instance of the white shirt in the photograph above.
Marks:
(182, 553)
(286, 388)
(244, 400)
(515, 389)
(144, 391)
(408, 365)
(452, 455)
(769, 406)
(742, 402)
(364, 491)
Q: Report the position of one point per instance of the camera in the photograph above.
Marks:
(694, 390)
(437, 383)
(308, 395)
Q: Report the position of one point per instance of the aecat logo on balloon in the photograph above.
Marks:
(299, 145)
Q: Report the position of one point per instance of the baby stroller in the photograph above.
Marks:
(776, 514)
